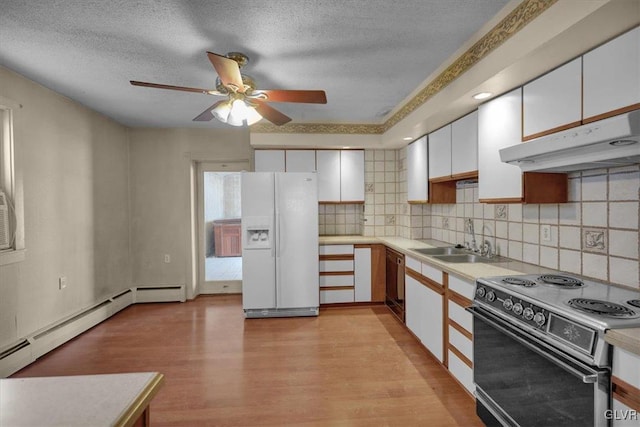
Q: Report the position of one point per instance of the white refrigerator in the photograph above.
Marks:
(280, 267)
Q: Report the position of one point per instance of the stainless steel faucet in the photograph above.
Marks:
(471, 231)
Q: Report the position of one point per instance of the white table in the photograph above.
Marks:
(82, 400)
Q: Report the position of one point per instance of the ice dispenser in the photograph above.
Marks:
(258, 235)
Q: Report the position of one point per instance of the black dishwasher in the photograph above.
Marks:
(395, 282)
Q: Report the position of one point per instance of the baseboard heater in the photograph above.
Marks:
(15, 357)
(169, 293)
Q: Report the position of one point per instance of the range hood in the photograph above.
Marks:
(603, 144)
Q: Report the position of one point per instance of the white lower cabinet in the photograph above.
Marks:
(423, 308)
(336, 274)
(333, 296)
(460, 331)
(347, 274)
(626, 389)
(362, 274)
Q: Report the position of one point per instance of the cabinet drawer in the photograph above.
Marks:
(336, 266)
(335, 250)
(432, 273)
(336, 296)
(460, 316)
(461, 372)
(464, 288)
(336, 280)
(413, 264)
(462, 343)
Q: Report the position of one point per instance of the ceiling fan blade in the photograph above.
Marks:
(180, 88)
(306, 96)
(228, 70)
(207, 114)
(270, 113)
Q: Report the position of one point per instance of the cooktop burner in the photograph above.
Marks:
(519, 282)
(634, 302)
(604, 308)
(564, 281)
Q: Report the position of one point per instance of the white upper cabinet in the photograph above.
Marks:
(464, 144)
(300, 160)
(440, 153)
(612, 76)
(352, 175)
(553, 102)
(328, 164)
(498, 127)
(417, 167)
(269, 161)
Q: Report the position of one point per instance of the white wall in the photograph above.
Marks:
(160, 196)
(75, 178)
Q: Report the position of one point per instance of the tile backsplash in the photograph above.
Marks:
(596, 234)
(340, 219)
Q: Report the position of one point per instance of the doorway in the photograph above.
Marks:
(219, 213)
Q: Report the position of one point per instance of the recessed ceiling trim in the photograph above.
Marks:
(347, 128)
(519, 17)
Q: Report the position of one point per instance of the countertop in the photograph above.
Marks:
(628, 339)
(79, 400)
(465, 270)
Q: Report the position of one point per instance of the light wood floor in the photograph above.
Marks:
(347, 367)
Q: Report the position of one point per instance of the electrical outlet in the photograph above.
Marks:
(62, 282)
(167, 258)
(545, 230)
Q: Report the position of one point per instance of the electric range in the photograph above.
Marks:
(569, 311)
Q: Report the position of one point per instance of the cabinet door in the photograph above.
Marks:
(553, 102)
(464, 144)
(352, 175)
(612, 76)
(328, 162)
(440, 152)
(269, 161)
(362, 272)
(498, 127)
(412, 305)
(300, 160)
(432, 321)
(417, 171)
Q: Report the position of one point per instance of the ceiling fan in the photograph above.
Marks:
(244, 104)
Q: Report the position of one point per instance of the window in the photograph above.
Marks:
(12, 211)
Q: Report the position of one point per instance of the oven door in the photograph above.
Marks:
(522, 381)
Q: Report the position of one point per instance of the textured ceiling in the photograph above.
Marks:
(368, 55)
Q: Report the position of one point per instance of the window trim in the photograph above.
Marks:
(10, 180)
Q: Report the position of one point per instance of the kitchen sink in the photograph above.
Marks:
(450, 250)
(466, 258)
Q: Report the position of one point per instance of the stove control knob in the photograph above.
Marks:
(528, 313)
(539, 319)
(507, 304)
(480, 292)
(491, 297)
(517, 308)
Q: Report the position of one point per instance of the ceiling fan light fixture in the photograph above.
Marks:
(253, 116)
(222, 111)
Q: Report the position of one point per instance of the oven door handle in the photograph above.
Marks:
(588, 377)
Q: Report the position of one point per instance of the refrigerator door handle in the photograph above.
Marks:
(278, 235)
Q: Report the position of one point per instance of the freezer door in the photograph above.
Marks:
(258, 256)
(297, 240)
(258, 279)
